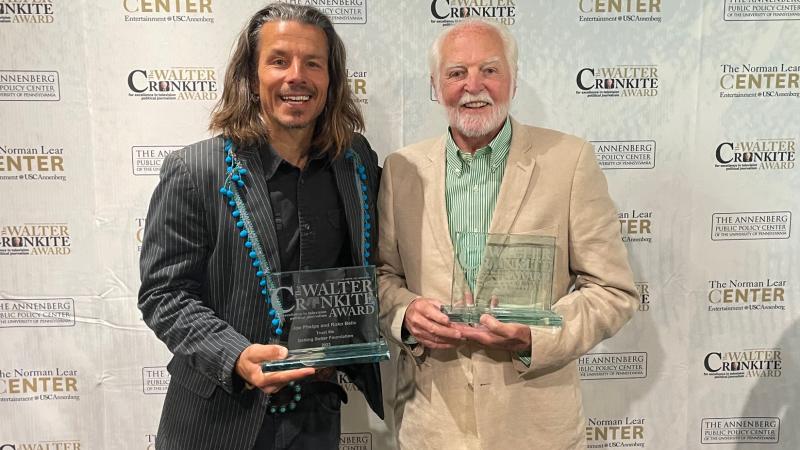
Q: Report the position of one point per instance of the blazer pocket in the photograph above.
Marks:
(190, 379)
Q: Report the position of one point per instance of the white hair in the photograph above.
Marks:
(509, 46)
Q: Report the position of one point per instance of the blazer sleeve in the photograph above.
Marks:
(394, 294)
(175, 252)
(604, 297)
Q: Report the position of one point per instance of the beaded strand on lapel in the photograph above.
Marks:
(234, 180)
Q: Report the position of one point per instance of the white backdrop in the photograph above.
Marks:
(697, 133)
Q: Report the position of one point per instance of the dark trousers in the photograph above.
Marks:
(314, 424)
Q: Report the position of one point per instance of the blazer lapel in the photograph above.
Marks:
(345, 174)
(256, 197)
(516, 180)
(435, 206)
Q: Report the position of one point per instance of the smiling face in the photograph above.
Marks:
(474, 82)
(292, 75)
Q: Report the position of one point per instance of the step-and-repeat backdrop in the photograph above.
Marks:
(692, 107)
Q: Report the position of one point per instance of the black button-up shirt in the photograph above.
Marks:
(309, 215)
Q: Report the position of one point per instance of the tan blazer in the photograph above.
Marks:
(471, 397)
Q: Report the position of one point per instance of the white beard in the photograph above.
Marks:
(477, 126)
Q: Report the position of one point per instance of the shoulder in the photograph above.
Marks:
(546, 138)
(417, 154)
(201, 152)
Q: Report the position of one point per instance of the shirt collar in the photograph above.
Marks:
(271, 160)
(497, 149)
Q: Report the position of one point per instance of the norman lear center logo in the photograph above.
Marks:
(358, 85)
(448, 12)
(169, 11)
(30, 385)
(625, 154)
(612, 366)
(33, 163)
(174, 83)
(761, 10)
(747, 295)
(751, 225)
(35, 239)
(765, 81)
(636, 226)
(617, 432)
(749, 363)
(618, 81)
(757, 154)
(37, 312)
(339, 11)
(147, 159)
(740, 430)
(26, 11)
(29, 86)
(619, 11)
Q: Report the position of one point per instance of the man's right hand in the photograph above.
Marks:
(429, 325)
(248, 366)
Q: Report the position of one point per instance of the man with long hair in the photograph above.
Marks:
(287, 184)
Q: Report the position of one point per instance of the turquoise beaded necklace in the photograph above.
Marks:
(230, 190)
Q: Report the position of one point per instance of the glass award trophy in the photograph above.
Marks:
(509, 276)
(328, 318)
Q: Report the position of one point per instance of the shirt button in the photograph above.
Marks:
(475, 188)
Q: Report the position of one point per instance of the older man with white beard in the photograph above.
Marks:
(496, 385)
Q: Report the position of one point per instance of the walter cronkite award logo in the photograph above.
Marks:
(174, 83)
(32, 163)
(169, 11)
(639, 154)
(760, 10)
(29, 86)
(27, 11)
(736, 226)
(759, 81)
(645, 296)
(747, 295)
(138, 225)
(35, 239)
(450, 12)
(618, 81)
(770, 154)
(619, 11)
(628, 431)
(748, 363)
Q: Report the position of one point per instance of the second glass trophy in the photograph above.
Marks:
(509, 276)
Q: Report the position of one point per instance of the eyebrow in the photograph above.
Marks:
(456, 65)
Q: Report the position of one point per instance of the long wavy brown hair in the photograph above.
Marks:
(237, 114)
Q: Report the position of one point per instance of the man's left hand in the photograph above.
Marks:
(492, 333)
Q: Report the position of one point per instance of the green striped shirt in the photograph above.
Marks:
(472, 183)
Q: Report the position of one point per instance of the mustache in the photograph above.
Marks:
(297, 91)
(480, 97)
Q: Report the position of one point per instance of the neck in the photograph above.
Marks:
(473, 144)
(292, 144)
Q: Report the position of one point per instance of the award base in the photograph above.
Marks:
(340, 355)
(522, 315)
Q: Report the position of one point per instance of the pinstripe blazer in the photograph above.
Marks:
(200, 295)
